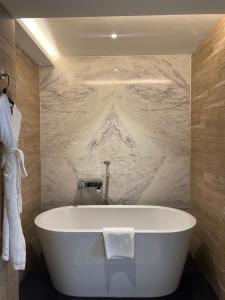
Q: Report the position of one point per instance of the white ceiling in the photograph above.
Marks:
(138, 35)
(80, 8)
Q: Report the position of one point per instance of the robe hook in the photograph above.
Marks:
(3, 75)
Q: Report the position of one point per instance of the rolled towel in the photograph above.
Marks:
(119, 242)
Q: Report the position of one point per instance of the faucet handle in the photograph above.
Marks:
(90, 183)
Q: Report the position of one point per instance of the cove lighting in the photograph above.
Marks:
(40, 37)
(128, 81)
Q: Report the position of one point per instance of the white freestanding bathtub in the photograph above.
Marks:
(73, 246)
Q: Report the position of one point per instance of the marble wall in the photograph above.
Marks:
(208, 156)
(8, 277)
(133, 111)
(27, 99)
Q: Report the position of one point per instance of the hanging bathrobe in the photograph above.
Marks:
(13, 242)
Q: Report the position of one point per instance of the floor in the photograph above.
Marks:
(37, 286)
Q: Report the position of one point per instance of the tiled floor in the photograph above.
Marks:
(37, 286)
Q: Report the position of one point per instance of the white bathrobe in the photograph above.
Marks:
(13, 242)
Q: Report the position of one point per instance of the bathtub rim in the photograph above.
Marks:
(193, 220)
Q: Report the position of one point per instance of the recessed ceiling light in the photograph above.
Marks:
(114, 36)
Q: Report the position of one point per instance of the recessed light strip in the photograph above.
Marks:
(128, 81)
(39, 37)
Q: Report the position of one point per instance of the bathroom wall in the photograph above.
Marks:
(24, 89)
(27, 99)
(133, 111)
(8, 277)
(208, 156)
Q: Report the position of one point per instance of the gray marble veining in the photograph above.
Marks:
(133, 111)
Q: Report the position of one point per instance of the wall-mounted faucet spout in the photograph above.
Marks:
(107, 175)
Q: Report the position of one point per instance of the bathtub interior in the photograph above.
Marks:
(95, 218)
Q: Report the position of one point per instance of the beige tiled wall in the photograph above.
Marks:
(208, 156)
(24, 88)
(8, 277)
(27, 99)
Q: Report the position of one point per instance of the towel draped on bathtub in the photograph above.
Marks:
(119, 242)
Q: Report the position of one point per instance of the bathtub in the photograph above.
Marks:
(73, 246)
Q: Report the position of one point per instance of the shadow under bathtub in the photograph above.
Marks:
(193, 286)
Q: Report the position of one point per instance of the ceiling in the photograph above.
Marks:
(81, 8)
(137, 35)
(83, 27)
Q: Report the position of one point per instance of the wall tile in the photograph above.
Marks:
(27, 99)
(8, 277)
(208, 163)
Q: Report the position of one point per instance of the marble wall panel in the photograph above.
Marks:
(133, 111)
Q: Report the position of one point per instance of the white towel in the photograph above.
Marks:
(119, 242)
(13, 242)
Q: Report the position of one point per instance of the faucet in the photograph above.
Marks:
(89, 185)
(107, 175)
